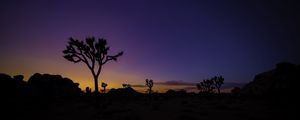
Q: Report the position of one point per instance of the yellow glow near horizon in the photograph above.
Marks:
(111, 74)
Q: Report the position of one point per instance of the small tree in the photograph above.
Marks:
(209, 85)
(104, 85)
(218, 82)
(206, 86)
(149, 84)
(91, 52)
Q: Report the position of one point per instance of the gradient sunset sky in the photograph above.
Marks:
(165, 40)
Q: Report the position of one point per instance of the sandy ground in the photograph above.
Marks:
(187, 108)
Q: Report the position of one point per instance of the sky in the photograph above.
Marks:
(181, 41)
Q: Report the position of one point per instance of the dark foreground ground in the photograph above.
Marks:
(161, 108)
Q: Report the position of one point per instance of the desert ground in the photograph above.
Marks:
(161, 108)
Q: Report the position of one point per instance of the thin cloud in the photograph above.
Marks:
(232, 84)
(189, 88)
(138, 86)
(176, 83)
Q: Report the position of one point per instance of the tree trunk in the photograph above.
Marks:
(96, 84)
(150, 90)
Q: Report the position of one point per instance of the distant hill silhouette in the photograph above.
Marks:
(39, 85)
(283, 80)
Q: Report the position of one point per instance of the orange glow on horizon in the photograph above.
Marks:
(79, 73)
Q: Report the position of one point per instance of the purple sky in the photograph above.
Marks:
(166, 40)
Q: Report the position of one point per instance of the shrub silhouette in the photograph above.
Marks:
(88, 91)
(170, 93)
(104, 85)
(126, 85)
(91, 52)
(149, 84)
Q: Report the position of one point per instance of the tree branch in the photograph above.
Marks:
(99, 69)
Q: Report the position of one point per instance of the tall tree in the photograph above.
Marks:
(92, 52)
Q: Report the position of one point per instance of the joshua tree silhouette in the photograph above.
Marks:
(104, 85)
(218, 82)
(149, 84)
(206, 86)
(91, 52)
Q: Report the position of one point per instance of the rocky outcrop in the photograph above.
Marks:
(43, 85)
(12, 86)
(52, 85)
(282, 80)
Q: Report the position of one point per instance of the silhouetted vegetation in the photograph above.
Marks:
(126, 85)
(218, 82)
(88, 91)
(149, 84)
(208, 85)
(104, 85)
(91, 52)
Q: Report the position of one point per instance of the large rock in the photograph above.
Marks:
(52, 85)
(12, 86)
(38, 85)
(282, 80)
